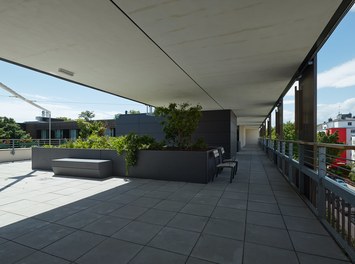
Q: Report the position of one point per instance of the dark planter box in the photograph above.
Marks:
(188, 166)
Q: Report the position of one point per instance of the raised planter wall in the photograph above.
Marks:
(189, 166)
(10, 155)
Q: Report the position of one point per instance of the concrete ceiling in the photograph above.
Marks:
(227, 54)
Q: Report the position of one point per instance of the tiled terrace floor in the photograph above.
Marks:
(256, 219)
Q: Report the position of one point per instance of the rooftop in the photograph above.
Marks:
(256, 219)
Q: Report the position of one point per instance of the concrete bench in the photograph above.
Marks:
(92, 168)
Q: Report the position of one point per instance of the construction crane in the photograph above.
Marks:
(44, 110)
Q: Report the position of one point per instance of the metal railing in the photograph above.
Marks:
(27, 143)
(324, 181)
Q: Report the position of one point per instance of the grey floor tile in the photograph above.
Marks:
(193, 260)
(58, 213)
(79, 219)
(158, 194)
(138, 232)
(205, 199)
(107, 225)
(158, 217)
(145, 202)
(42, 258)
(105, 207)
(265, 219)
(3, 240)
(312, 259)
(198, 209)
(258, 254)
(229, 214)
(297, 211)
(262, 198)
(263, 207)
(22, 227)
(269, 236)
(111, 251)
(235, 195)
(316, 245)
(129, 211)
(44, 236)
(175, 240)
(290, 201)
(305, 225)
(207, 192)
(150, 255)
(218, 249)
(182, 196)
(240, 187)
(11, 252)
(188, 222)
(233, 203)
(124, 198)
(169, 205)
(225, 228)
(74, 245)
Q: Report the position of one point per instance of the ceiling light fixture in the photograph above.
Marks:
(67, 72)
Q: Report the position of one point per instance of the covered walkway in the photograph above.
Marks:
(256, 219)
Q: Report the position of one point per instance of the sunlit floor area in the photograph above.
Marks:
(256, 219)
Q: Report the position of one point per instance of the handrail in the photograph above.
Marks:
(325, 181)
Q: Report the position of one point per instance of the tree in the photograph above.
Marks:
(289, 131)
(88, 128)
(132, 112)
(180, 121)
(87, 115)
(327, 137)
(64, 118)
(10, 129)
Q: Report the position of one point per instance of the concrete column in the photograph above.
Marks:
(269, 127)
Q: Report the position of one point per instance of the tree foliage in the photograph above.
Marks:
(327, 137)
(88, 128)
(180, 122)
(10, 129)
(87, 115)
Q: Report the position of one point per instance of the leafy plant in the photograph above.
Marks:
(180, 121)
(326, 137)
(88, 128)
(9, 129)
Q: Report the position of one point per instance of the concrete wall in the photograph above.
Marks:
(6, 155)
(252, 136)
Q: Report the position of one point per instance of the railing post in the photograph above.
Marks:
(322, 170)
(283, 152)
(300, 173)
(290, 156)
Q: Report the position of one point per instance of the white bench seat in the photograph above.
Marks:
(91, 168)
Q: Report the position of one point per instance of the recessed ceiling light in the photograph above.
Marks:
(67, 72)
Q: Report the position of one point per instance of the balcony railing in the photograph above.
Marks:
(322, 179)
(27, 143)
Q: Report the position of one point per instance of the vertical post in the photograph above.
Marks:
(290, 155)
(49, 127)
(322, 167)
(283, 150)
(13, 146)
(301, 163)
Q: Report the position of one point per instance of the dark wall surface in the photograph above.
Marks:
(217, 128)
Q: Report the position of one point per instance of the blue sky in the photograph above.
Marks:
(336, 86)
(336, 74)
(60, 97)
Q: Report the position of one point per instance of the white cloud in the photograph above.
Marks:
(340, 76)
(289, 102)
(324, 111)
(288, 116)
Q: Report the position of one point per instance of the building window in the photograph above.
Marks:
(350, 123)
(352, 131)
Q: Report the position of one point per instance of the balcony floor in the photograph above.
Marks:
(256, 219)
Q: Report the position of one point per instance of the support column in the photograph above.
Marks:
(306, 124)
(279, 121)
